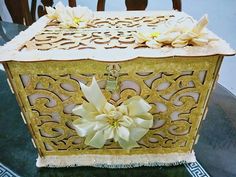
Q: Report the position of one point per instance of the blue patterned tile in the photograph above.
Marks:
(196, 170)
(6, 172)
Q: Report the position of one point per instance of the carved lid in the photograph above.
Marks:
(108, 37)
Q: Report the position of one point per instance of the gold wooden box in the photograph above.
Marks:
(177, 87)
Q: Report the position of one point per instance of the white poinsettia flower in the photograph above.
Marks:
(183, 39)
(178, 34)
(148, 38)
(141, 37)
(180, 24)
(194, 36)
(53, 13)
(70, 16)
(83, 13)
(66, 20)
(154, 44)
(100, 120)
(167, 38)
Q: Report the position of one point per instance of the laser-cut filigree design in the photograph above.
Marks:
(129, 22)
(101, 33)
(177, 92)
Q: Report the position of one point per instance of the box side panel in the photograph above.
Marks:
(215, 78)
(177, 88)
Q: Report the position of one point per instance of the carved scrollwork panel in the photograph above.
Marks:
(178, 93)
(102, 33)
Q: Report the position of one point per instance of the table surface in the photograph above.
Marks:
(216, 148)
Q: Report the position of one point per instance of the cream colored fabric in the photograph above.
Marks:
(116, 161)
(76, 17)
(177, 33)
(101, 121)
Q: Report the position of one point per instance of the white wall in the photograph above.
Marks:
(221, 16)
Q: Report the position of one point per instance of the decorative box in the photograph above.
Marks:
(46, 63)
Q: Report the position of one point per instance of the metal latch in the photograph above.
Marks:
(112, 83)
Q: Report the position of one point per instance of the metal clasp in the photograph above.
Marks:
(112, 83)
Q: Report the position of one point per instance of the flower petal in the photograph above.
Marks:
(83, 128)
(154, 44)
(123, 109)
(108, 107)
(137, 105)
(167, 38)
(51, 13)
(94, 95)
(140, 37)
(127, 144)
(85, 111)
(137, 133)
(199, 41)
(97, 140)
(145, 123)
(201, 24)
(109, 132)
(183, 39)
(90, 107)
(146, 116)
(116, 136)
(82, 24)
(83, 12)
(101, 117)
(123, 132)
(59, 6)
(126, 121)
(99, 125)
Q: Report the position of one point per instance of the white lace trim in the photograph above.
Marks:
(116, 161)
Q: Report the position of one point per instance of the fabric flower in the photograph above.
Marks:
(194, 36)
(178, 35)
(70, 16)
(100, 120)
(54, 13)
(148, 38)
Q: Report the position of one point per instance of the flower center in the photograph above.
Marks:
(76, 20)
(113, 118)
(155, 34)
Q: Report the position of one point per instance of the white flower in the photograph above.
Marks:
(100, 120)
(70, 16)
(54, 13)
(176, 35)
(154, 44)
(194, 36)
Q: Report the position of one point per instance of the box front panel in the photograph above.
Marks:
(177, 88)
